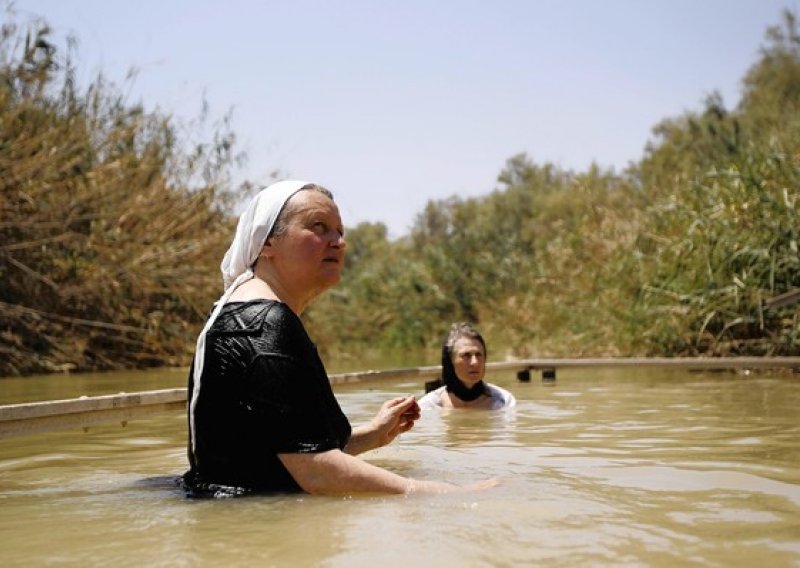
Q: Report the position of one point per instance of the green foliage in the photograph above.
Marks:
(729, 242)
(112, 229)
(771, 101)
(722, 233)
(108, 231)
(675, 256)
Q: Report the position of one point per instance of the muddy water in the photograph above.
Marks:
(606, 467)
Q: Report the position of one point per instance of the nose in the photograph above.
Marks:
(336, 239)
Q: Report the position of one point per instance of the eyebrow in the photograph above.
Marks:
(470, 352)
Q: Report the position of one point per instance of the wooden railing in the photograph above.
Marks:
(33, 417)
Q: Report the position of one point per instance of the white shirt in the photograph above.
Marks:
(501, 398)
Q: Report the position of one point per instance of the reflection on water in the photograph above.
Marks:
(611, 467)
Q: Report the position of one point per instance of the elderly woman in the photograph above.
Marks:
(463, 368)
(262, 415)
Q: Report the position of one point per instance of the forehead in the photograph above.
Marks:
(467, 344)
(309, 202)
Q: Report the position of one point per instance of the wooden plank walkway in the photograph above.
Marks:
(33, 417)
(30, 418)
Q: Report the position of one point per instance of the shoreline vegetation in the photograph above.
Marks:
(114, 219)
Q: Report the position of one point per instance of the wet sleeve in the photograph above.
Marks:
(292, 408)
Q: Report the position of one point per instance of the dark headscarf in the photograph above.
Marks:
(449, 377)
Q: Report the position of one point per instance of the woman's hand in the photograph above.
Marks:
(395, 417)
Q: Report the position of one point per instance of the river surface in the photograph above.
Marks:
(605, 467)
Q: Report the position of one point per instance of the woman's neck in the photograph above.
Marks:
(456, 402)
(261, 287)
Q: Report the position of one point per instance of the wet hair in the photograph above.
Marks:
(454, 385)
(282, 222)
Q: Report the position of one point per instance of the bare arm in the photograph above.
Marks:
(335, 472)
(339, 472)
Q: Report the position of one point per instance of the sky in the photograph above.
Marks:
(391, 104)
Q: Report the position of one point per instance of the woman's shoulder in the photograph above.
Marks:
(501, 398)
(432, 399)
(253, 314)
(271, 320)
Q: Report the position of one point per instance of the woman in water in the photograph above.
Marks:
(463, 369)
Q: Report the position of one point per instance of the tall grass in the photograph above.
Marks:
(106, 237)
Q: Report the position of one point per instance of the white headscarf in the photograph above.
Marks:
(255, 225)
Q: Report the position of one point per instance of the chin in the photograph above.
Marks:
(331, 281)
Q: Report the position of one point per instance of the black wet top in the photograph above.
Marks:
(264, 391)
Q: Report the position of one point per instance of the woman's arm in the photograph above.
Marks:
(340, 472)
(395, 417)
(335, 472)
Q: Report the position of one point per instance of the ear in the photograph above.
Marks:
(267, 250)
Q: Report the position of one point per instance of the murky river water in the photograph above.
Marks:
(600, 468)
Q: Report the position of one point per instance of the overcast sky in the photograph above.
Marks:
(390, 104)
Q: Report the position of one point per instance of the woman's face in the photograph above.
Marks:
(309, 256)
(469, 360)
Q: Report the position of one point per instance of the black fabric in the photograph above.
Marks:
(264, 391)
(454, 384)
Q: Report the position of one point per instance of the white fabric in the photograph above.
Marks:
(254, 226)
(501, 398)
(252, 231)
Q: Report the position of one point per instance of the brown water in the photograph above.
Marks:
(606, 467)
